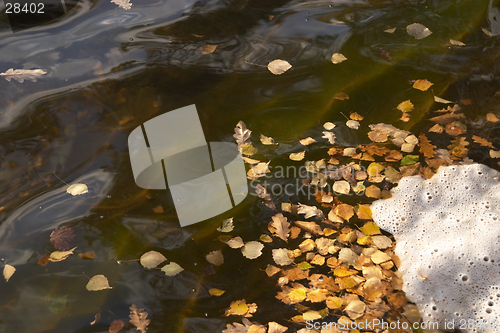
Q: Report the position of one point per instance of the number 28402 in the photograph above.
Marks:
(32, 8)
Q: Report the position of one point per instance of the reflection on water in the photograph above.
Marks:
(109, 70)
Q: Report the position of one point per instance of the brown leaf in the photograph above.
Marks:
(436, 129)
(44, 260)
(356, 116)
(426, 147)
(482, 142)
(87, 255)
(445, 119)
(491, 118)
(345, 211)
(373, 191)
(457, 148)
(138, 318)
(116, 326)
(62, 237)
(281, 226)
(454, 130)
(206, 49)
(310, 227)
(241, 133)
(158, 209)
(341, 96)
(266, 197)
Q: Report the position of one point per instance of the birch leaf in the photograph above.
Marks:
(215, 258)
(341, 186)
(354, 124)
(77, 189)
(235, 242)
(329, 136)
(274, 327)
(8, 271)
(252, 249)
(280, 257)
(241, 133)
(23, 74)
(98, 282)
(241, 308)
(138, 318)
(441, 100)
(116, 326)
(456, 42)
(298, 156)
(60, 255)
(307, 141)
(258, 170)
(227, 225)
(172, 269)
(278, 66)
(418, 31)
(125, 4)
(216, 292)
(329, 125)
(337, 58)
(406, 106)
(267, 140)
(152, 259)
(422, 85)
(207, 49)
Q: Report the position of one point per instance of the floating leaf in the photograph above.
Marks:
(298, 156)
(373, 191)
(60, 255)
(125, 4)
(23, 74)
(216, 292)
(406, 106)
(329, 125)
(206, 49)
(278, 66)
(422, 85)
(62, 237)
(274, 327)
(382, 242)
(259, 170)
(456, 42)
(390, 30)
(8, 271)
(241, 308)
(215, 257)
(410, 159)
(418, 31)
(267, 140)
(281, 226)
(98, 282)
(491, 118)
(345, 211)
(152, 259)
(341, 187)
(355, 309)
(116, 326)
(354, 124)
(426, 147)
(138, 318)
(227, 225)
(309, 211)
(304, 265)
(494, 153)
(77, 189)
(172, 269)
(370, 228)
(364, 213)
(341, 96)
(307, 141)
(280, 257)
(235, 243)
(241, 133)
(482, 142)
(330, 136)
(337, 58)
(252, 249)
(441, 100)
(355, 116)
(375, 169)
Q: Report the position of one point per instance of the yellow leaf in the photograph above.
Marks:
(98, 282)
(345, 211)
(206, 49)
(311, 315)
(370, 228)
(333, 302)
(297, 295)
(298, 156)
(491, 117)
(337, 58)
(172, 269)
(374, 169)
(8, 271)
(77, 189)
(267, 140)
(152, 259)
(422, 85)
(406, 106)
(216, 292)
(60, 255)
(307, 141)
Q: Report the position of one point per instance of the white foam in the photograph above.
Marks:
(447, 232)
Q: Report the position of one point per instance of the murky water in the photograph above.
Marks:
(109, 70)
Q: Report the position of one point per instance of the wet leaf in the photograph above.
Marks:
(271, 270)
(382, 242)
(491, 118)
(241, 133)
(241, 308)
(237, 327)
(406, 106)
(125, 4)
(329, 136)
(482, 142)
(138, 318)
(267, 140)
(307, 141)
(262, 193)
(98, 282)
(418, 31)
(379, 257)
(278, 66)
(158, 210)
(274, 327)
(310, 227)
(341, 186)
(172, 269)
(373, 191)
(390, 30)
(334, 303)
(309, 211)
(206, 49)
(422, 85)
(337, 58)
(364, 213)
(456, 42)
(252, 250)
(329, 126)
(457, 148)
(281, 225)
(62, 237)
(235, 243)
(453, 129)
(215, 258)
(376, 136)
(250, 160)
(426, 148)
(152, 259)
(77, 189)
(8, 271)
(216, 292)
(116, 326)
(354, 124)
(345, 211)
(410, 159)
(494, 154)
(57, 303)
(60, 255)
(298, 156)
(259, 170)
(341, 96)
(304, 265)
(441, 100)
(23, 74)
(436, 129)
(355, 309)
(355, 116)
(445, 118)
(280, 257)
(227, 225)
(375, 169)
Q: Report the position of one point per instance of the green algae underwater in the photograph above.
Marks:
(110, 70)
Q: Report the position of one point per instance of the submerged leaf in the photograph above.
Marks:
(215, 258)
(62, 237)
(138, 318)
(206, 49)
(418, 31)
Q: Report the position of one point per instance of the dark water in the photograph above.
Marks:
(109, 70)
